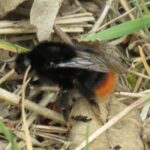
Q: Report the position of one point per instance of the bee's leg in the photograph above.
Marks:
(89, 95)
(65, 102)
(85, 91)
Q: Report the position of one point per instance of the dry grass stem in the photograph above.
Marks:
(62, 35)
(87, 14)
(51, 129)
(126, 6)
(13, 99)
(44, 102)
(139, 74)
(9, 74)
(102, 16)
(139, 82)
(127, 94)
(23, 26)
(145, 111)
(144, 60)
(115, 19)
(25, 126)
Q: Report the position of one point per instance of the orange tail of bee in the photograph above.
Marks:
(106, 87)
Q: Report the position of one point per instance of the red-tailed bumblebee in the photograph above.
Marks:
(89, 69)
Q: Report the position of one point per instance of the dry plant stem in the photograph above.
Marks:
(80, 17)
(139, 82)
(22, 38)
(52, 137)
(144, 60)
(133, 95)
(115, 19)
(17, 30)
(139, 74)
(18, 27)
(65, 146)
(13, 99)
(20, 91)
(13, 24)
(114, 120)
(145, 92)
(19, 134)
(102, 17)
(25, 126)
(145, 111)
(28, 30)
(62, 35)
(75, 16)
(43, 102)
(74, 11)
(9, 74)
(51, 129)
(127, 94)
(80, 6)
(51, 88)
(125, 5)
(74, 20)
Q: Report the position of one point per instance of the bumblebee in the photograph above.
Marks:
(90, 69)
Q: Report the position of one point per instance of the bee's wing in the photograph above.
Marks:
(94, 61)
(88, 61)
(84, 64)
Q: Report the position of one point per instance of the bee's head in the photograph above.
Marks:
(21, 63)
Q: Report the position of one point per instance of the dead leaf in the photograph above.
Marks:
(82, 129)
(8, 5)
(43, 15)
(126, 134)
(146, 133)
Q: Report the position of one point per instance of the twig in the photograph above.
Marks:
(139, 74)
(44, 102)
(17, 30)
(25, 126)
(49, 129)
(133, 95)
(9, 74)
(115, 19)
(28, 30)
(125, 5)
(144, 60)
(62, 35)
(102, 17)
(14, 99)
(139, 82)
(127, 94)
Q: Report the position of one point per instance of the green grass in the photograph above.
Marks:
(12, 47)
(8, 136)
(120, 30)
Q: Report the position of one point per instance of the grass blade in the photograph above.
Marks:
(120, 30)
(12, 47)
(8, 136)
